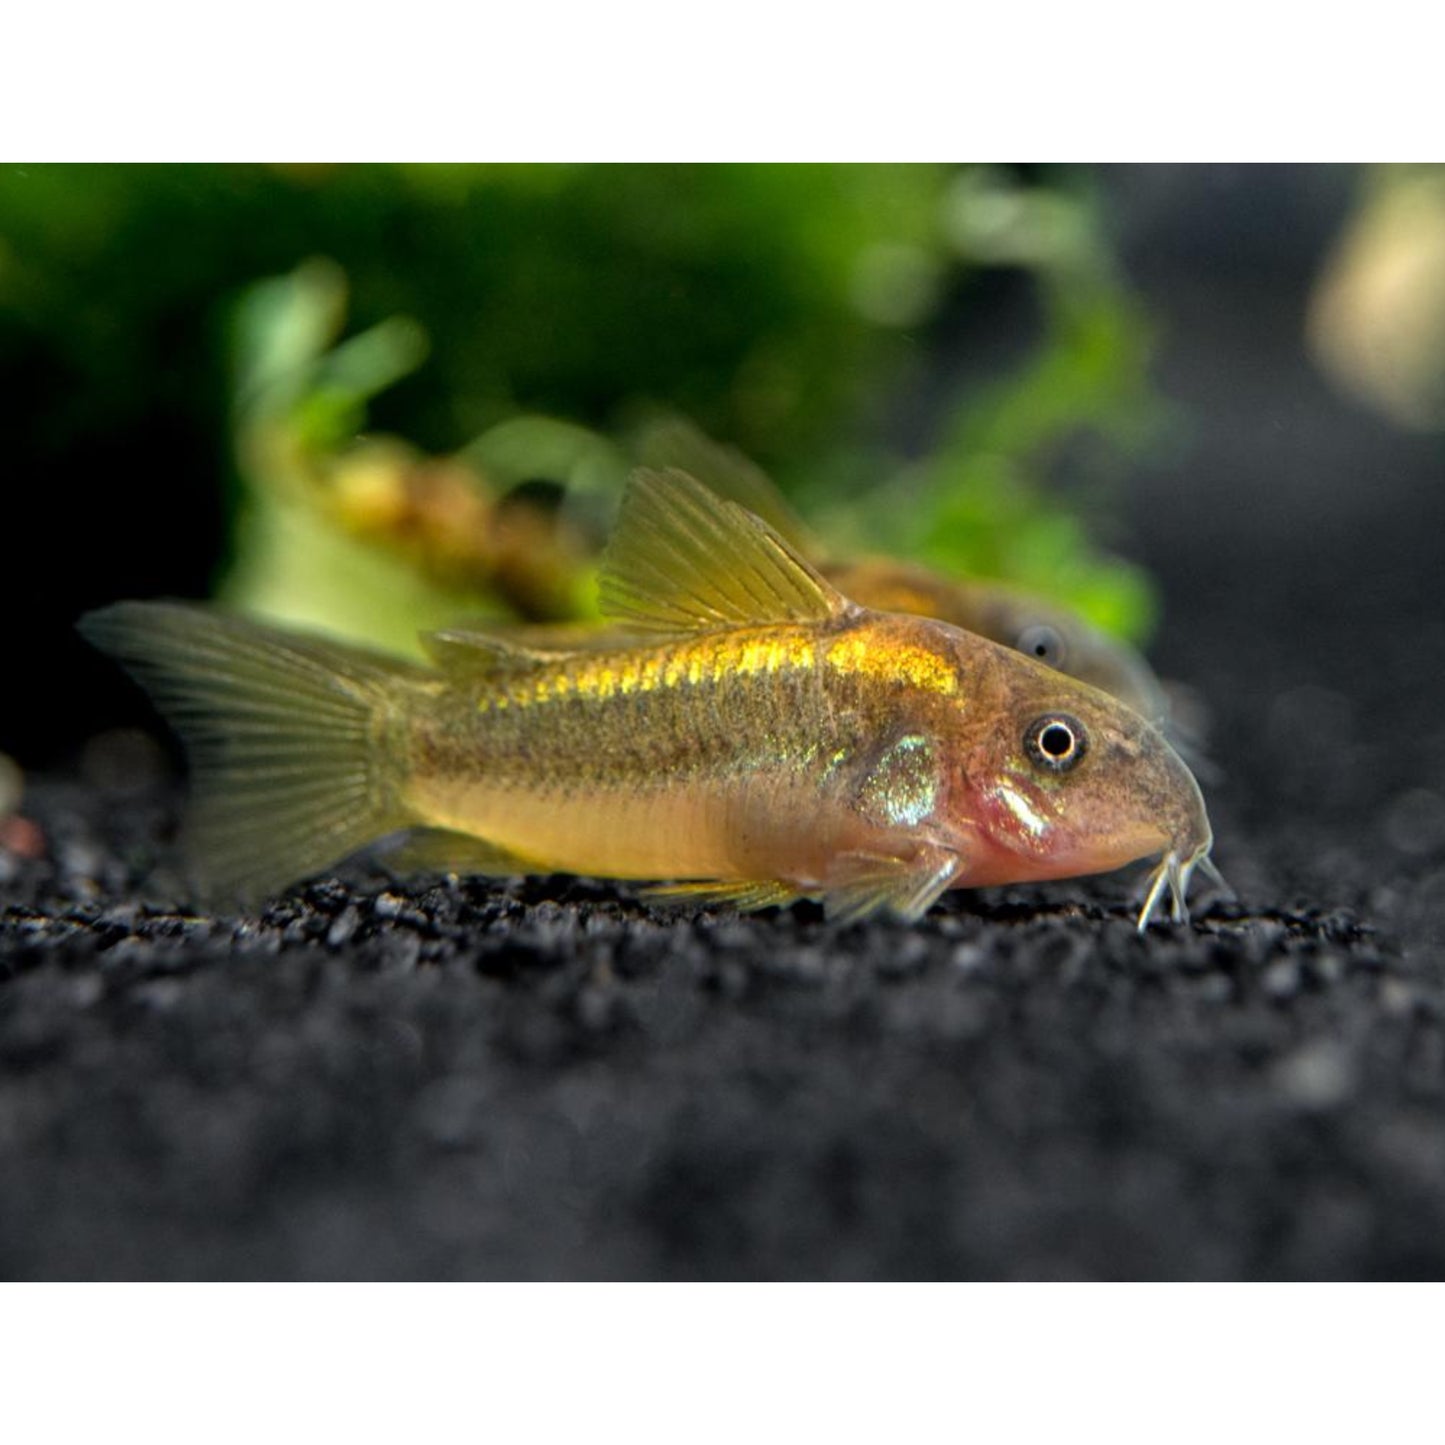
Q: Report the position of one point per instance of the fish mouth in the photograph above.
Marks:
(1188, 840)
(1173, 871)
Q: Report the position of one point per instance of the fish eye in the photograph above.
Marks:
(1056, 742)
(1043, 642)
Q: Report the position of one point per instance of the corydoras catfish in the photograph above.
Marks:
(756, 737)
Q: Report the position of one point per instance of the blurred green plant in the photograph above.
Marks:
(367, 535)
(978, 502)
(780, 307)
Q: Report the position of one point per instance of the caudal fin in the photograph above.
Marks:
(287, 737)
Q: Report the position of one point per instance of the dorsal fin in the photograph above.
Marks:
(683, 560)
(675, 442)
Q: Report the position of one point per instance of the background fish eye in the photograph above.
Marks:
(1056, 742)
(1043, 642)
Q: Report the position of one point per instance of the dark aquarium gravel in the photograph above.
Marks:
(549, 1079)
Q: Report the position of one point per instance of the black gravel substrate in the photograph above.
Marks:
(550, 1079)
(545, 1080)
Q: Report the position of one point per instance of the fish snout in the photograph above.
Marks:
(1184, 824)
(1188, 849)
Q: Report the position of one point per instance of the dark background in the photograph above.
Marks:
(545, 1079)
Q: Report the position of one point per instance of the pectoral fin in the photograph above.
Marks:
(862, 884)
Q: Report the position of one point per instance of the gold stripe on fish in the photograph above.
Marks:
(895, 662)
(705, 661)
(771, 654)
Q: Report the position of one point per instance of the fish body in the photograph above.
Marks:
(769, 754)
(753, 736)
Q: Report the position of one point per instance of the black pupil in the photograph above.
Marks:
(1041, 649)
(1056, 740)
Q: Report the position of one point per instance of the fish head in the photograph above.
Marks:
(1062, 779)
(1065, 642)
